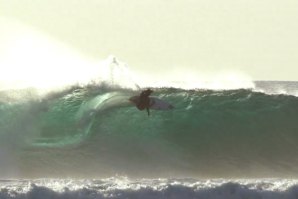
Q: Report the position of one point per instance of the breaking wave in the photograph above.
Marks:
(209, 133)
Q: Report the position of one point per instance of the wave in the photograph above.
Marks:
(209, 133)
(155, 189)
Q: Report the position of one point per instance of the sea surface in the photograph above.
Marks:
(91, 142)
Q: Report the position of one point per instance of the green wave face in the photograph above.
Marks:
(208, 133)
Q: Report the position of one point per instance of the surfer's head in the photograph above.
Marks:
(149, 91)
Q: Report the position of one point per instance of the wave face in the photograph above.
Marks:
(115, 188)
(94, 131)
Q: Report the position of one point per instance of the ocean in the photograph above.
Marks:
(90, 142)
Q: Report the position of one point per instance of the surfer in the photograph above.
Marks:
(144, 101)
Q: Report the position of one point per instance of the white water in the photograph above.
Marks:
(121, 187)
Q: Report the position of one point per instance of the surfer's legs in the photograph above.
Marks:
(148, 111)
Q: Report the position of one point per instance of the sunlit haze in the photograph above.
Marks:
(31, 59)
(219, 43)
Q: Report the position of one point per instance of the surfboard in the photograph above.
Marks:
(155, 103)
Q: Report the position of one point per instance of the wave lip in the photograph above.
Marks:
(118, 188)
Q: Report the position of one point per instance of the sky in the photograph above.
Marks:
(257, 38)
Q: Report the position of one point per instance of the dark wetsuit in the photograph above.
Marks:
(144, 101)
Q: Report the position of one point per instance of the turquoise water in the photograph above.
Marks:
(95, 131)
